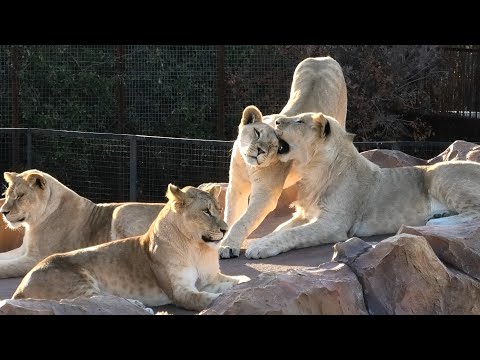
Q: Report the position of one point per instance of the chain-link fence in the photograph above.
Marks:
(115, 167)
(199, 91)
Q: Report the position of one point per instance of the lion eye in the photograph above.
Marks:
(207, 212)
(19, 196)
(299, 121)
(256, 133)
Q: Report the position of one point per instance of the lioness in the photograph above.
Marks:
(56, 219)
(318, 86)
(342, 194)
(175, 261)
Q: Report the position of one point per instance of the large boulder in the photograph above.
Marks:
(458, 150)
(330, 289)
(95, 305)
(391, 158)
(457, 244)
(402, 275)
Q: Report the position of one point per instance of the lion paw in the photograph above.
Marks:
(260, 252)
(241, 278)
(141, 305)
(226, 252)
(136, 303)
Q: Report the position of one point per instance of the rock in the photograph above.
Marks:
(95, 305)
(391, 158)
(457, 245)
(347, 251)
(458, 150)
(330, 289)
(402, 275)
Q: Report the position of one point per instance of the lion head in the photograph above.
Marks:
(26, 198)
(200, 213)
(258, 143)
(306, 134)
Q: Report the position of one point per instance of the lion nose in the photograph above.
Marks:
(5, 213)
(277, 122)
(261, 151)
(223, 231)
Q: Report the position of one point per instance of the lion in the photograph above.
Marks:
(256, 176)
(175, 261)
(342, 194)
(56, 219)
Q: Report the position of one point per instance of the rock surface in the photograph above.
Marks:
(402, 275)
(457, 245)
(348, 251)
(330, 289)
(96, 305)
(391, 158)
(458, 150)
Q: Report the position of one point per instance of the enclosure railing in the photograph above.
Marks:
(107, 167)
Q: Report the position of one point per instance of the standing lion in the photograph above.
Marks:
(257, 177)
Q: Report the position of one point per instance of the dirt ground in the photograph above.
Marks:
(295, 259)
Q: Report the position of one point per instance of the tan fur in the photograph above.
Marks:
(342, 194)
(172, 262)
(56, 219)
(255, 171)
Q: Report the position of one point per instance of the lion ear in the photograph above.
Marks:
(175, 194)
(212, 188)
(251, 115)
(9, 177)
(321, 124)
(36, 179)
(215, 191)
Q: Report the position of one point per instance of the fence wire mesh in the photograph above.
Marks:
(199, 91)
(170, 90)
(105, 167)
(181, 162)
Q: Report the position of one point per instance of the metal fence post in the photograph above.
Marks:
(29, 149)
(120, 87)
(133, 168)
(220, 126)
(15, 64)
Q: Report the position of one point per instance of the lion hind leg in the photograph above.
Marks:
(56, 284)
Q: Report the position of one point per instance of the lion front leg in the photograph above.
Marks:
(296, 220)
(236, 200)
(186, 295)
(322, 231)
(263, 200)
(17, 267)
(238, 190)
(221, 282)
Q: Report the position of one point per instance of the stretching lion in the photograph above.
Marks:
(342, 194)
(175, 261)
(56, 219)
(318, 86)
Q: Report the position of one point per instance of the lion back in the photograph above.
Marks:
(318, 86)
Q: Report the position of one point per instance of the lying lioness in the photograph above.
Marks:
(175, 261)
(56, 219)
(342, 194)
